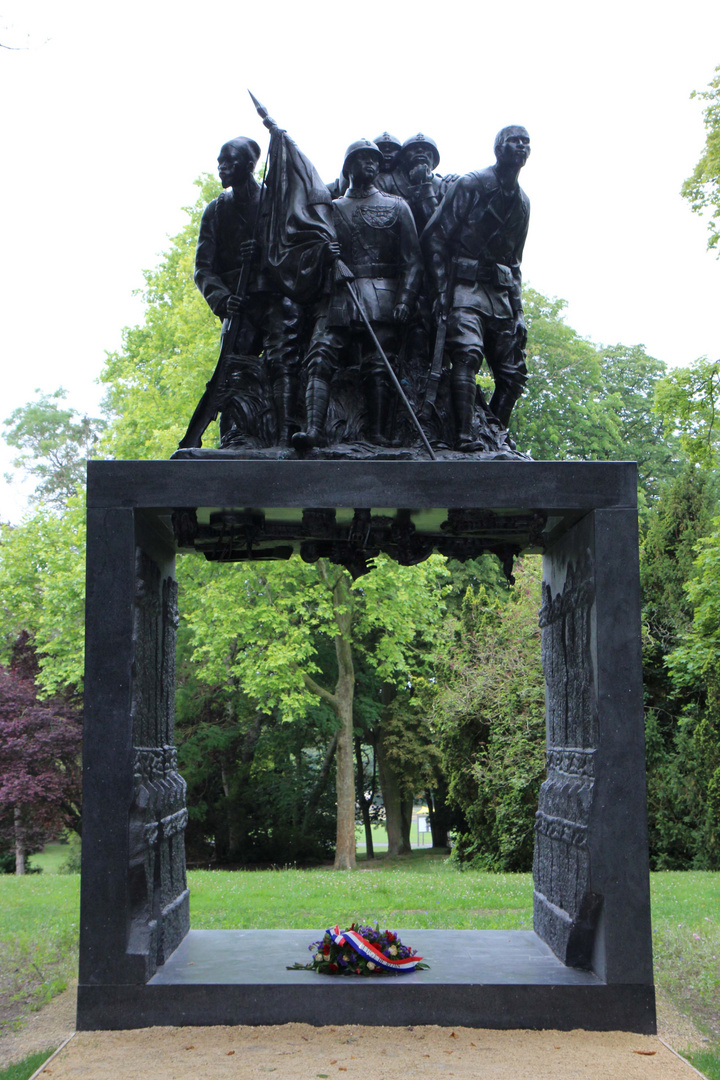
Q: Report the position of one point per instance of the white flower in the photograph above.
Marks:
(371, 966)
(392, 950)
(319, 957)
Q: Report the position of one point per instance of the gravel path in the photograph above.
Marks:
(301, 1052)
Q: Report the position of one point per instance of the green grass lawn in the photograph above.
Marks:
(420, 891)
(38, 938)
(22, 1070)
(39, 920)
(50, 859)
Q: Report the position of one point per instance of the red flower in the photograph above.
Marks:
(390, 936)
(326, 949)
(332, 967)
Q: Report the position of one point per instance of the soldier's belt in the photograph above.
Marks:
(472, 271)
(381, 270)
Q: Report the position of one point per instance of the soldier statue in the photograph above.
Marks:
(411, 176)
(389, 147)
(268, 346)
(473, 246)
(378, 242)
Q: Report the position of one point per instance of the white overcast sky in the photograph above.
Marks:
(114, 110)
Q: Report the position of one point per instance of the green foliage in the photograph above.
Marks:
(697, 660)
(155, 381)
(678, 775)
(562, 414)
(280, 613)
(42, 591)
(489, 715)
(588, 402)
(702, 189)
(688, 400)
(55, 444)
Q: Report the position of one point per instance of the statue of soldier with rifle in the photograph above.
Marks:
(377, 242)
(474, 245)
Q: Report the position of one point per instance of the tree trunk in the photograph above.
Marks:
(398, 836)
(341, 701)
(233, 836)
(345, 782)
(345, 695)
(365, 804)
(398, 840)
(406, 809)
(19, 844)
(439, 814)
(319, 789)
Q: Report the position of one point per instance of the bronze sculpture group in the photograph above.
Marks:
(356, 315)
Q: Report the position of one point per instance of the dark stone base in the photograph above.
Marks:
(477, 978)
(343, 452)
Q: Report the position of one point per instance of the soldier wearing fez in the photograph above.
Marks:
(473, 246)
(378, 241)
(228, 237)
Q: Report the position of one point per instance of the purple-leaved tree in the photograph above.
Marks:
(39, 759)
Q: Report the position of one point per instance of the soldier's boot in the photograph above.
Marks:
(378, 397)
(503, 401)
(316, 402)
(463, 398)
(285, 396)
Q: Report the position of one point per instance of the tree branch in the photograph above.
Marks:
(320, 691)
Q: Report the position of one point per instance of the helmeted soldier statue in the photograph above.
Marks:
(378, 242)
(271, 322)
(473, 246)
(412, 177)
(389, 146)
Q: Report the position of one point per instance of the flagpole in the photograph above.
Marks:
(345, 274)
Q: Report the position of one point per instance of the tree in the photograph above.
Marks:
(39, 771)
(270, 646)
(42, 592)
(680, 518)
(702, 188)
(54, 445)
(155, 381)
(688, 400)
(590, 402)
(489, 719)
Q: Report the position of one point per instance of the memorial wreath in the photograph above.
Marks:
(361, 950)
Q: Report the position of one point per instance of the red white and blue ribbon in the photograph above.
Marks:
(371, 952)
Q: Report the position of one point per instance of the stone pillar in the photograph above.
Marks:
(591, 881)
(134, 899)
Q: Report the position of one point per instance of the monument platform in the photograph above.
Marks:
(588, 962)
(480, 978)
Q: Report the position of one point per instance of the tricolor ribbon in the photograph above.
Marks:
(371, 952)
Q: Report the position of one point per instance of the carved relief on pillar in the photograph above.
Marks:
(157, 879)
(566, 909)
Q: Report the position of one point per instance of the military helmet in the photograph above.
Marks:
(423, 140)
(354, 148)
(386, 139)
